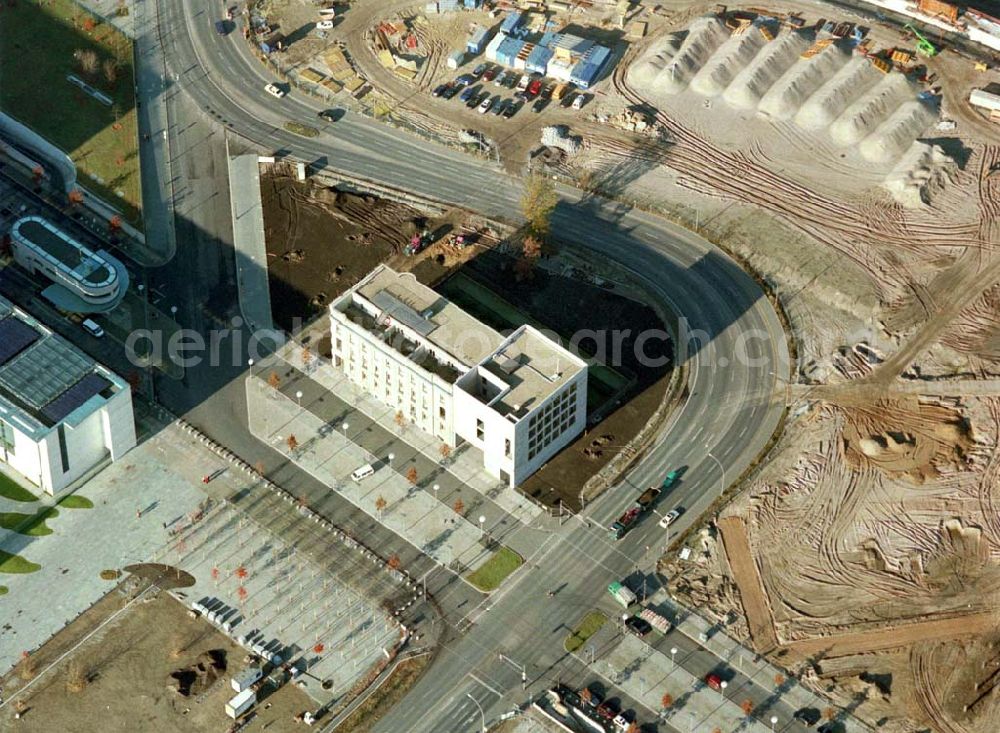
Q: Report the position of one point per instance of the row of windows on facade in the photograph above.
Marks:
(553, 420)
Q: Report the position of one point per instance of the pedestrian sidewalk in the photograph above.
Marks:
(248, 240)
(642, 673)
(745, 661)
(465, 463)
(327, 455)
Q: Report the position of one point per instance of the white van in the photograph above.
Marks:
(362, 473)
(92, 328)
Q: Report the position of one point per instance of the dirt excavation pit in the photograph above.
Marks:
(200, 676)
(911, 439)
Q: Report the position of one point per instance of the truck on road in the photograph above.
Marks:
(647, 498)
(622, 593)
(625, 522)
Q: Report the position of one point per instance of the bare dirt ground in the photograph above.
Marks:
(320, 242)
(120, 678)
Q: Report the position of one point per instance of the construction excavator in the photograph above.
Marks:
(924, 46)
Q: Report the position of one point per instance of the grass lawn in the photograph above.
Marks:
(10, 489)
(37, 47)
(584, 630)
(75, 501)
(15, 564)
(495, 570)
(32, 525)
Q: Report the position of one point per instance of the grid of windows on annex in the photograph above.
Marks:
(552, 421)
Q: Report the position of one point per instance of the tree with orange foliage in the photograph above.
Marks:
(292, 443)
(394, 562)
(273, 380)
(458, 506)
(411, 475)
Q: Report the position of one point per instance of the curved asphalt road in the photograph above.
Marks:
(730, 413)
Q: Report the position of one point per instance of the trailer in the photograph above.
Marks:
(241, 703)
(622, 594)
(246, 679)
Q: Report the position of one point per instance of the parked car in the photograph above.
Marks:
(522, 82)
(511, 81)
(607, 710)
(465, 80)
(511, 109)
(809, 716)
(490, 73)
(669, 517)
(485, 105)
(274, 90)
(476, 100)
(92, 328)
(440, 89)
(579, 100)
(714, 681)
(540, 104)
(534, 88)
(594, 700)
(499, 107)
(468, 93)
(500, 79)
(638, 626)
(324, 25)
(331, 115)
(622, 721)
(479, 70)
(451, 91)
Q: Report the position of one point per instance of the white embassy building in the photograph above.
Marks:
(61, 413)
(519, 398)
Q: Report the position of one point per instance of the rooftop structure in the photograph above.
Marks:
(61, 413)
(83, 281)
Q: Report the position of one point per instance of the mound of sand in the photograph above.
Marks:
(705, 36)
(920, 174)
(731, 56)
(856, 77)
(783, 100)
(647, 70)
(894, 136)
(871, 109)
(760, 74)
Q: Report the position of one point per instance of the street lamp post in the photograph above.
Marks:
(624, 619)
(436, 487)
(344, 427)
(298, 398)
(482, 526)
(774, 722)
(482, 713)
(721, 468)
(673, 659)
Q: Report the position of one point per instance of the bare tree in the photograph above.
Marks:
(411, 475)
(538, 202)
(87, 60)
(110, 68)
(76, 676)
(458, 506)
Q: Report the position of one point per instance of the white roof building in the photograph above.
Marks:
(519, 398)
(61, 414)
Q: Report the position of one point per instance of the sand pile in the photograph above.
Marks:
(705, 36)
(647, 70)
(894, 136)
(727, 61)
(782, 101)
(823, 107)
(864, 115)
(921, 173)
(760, 74)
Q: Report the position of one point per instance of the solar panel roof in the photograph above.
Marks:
(15, 337)
(75, 396)
(44, 371)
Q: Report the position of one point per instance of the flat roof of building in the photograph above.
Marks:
(76, 260)
(43, 378)
(435, 318)
(533, 367)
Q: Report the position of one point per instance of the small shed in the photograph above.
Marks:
(477, 42)
(511, 22)
(455, 59)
